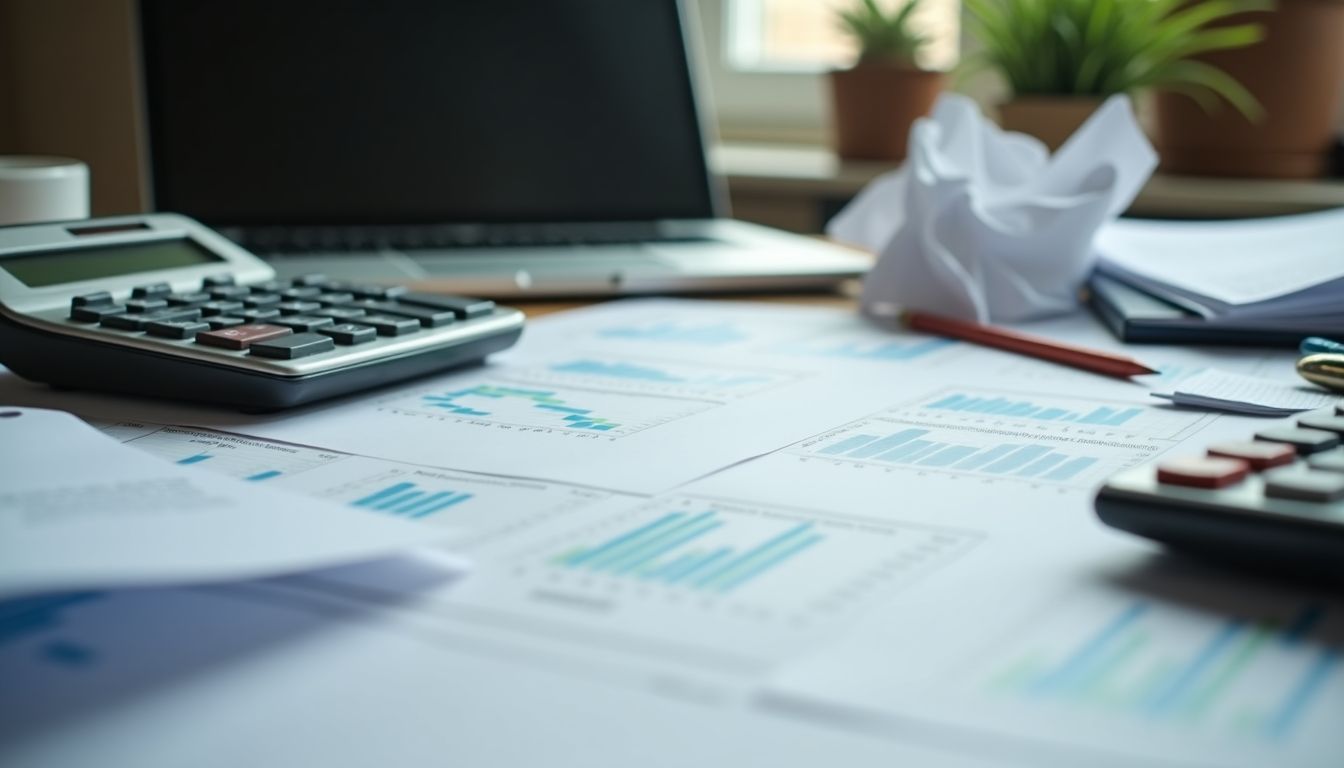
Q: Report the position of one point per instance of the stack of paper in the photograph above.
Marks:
(1251, 395)
(79, 510)
(1284, 272)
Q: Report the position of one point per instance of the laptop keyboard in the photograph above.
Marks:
(272, 240)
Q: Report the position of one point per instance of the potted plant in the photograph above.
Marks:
(876, 100)
(1062, 58)
(1296, 73)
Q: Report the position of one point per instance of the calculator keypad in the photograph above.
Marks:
(276, 320)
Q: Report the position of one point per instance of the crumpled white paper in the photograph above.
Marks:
(985, 225)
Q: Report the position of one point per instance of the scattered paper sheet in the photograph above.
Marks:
(985, 225)
(1224, 391)
(78, 510)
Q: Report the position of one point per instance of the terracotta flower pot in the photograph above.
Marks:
(1297, 74)
(1052, 119)
(874, 106)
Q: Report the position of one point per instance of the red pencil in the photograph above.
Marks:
(1024, 344)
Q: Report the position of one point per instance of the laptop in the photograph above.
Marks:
(505, 149)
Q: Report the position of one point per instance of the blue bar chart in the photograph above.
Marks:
(409, 500)
(881, 350)
(670, 550)
(768, 561)
(1060, 413)
(927, 448)
(1025, 409)
(712, 334)
(1257, 677)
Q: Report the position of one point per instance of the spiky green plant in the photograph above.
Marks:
(1101, 47)
(882, 36)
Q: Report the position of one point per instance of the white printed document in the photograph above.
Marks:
(79, 510)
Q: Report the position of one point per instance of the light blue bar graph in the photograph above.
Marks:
(1017, 459)
(1169, 695)
(1095, 646)
(267, 475)
(197, 459)
(383, 495)
(981, 459)
(907, 451)
(887, 443)
(948, 455)
(848, 444)
(398, 502)
(404, 499)
(1037, 467)
(1303, 692)
(1025, 409)
(668, 550)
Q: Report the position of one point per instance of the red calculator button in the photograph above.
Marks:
(240, 336)
(1259, 454)
(1199, 472)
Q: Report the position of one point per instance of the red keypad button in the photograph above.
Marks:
(1200, 472)
(1259, 454)
(240, 336)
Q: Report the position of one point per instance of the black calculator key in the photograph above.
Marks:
(462, 306)
(387, 325)
(257, 315)
(151, 291)
(334, 299)
(302, 292)
(313, 279)
(295, 345)
(1327, 423)
(368, 291)
(215, 281)
(139, 320)
(428, 317)
(177, 329)
(349, 333)
(92, 299)
(302, 322)
(211, 308)
(1306, 441)
(186, 299)
(1327, 461)
(239, 337)
(270, 286)
(224, 321)
(145, 305)
(93, 314)
(297, 307)
(1304, 485)
(261, 300)
(338, 313)
(229, 292)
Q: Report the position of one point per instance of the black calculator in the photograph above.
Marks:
(161, 305)
(1274, 501)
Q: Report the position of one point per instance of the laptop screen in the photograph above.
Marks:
(421, 111)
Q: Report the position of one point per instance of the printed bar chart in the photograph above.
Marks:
(1024, 409)
(912, 447)
(665, 378)
(700, 334)
(883, 350)
(664, 551)
(407, 499)
(231, 455)
(1258, 678)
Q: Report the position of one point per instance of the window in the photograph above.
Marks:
(767, 59)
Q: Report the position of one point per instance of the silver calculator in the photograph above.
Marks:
(161, 305)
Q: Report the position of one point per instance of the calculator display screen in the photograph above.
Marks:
(37, 270)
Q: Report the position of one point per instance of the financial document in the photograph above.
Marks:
(78, 510)
(915, 575)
